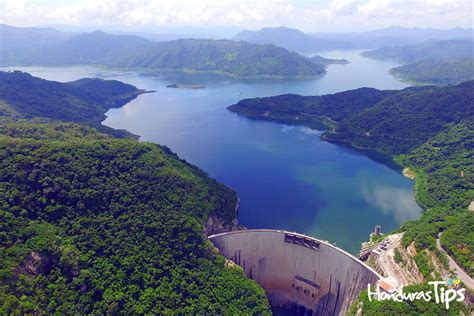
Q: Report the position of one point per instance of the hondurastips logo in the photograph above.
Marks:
(444, 292)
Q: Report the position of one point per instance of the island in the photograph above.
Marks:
(224, 57)
(328, 61)
(186, 86)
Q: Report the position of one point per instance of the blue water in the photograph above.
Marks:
(285, 175)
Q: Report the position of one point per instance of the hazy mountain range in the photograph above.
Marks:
(444, 62)
(232, 58)
(296, 40)
(265, 53)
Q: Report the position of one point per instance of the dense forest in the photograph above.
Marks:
(83, 101)
(91, 223)
(426, 128)
(239, 59)
(437, 72)
(389, 121)
(441, 63)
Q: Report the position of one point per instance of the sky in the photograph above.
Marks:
(309, 16)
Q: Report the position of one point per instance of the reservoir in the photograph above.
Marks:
(286, 177)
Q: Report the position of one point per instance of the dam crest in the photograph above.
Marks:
(298, 272)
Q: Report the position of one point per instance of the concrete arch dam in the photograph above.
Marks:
(298, 272)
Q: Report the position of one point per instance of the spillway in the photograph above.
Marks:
(298, 272)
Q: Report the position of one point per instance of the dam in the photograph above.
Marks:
(297, 272)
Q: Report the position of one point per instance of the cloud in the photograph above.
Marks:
(309, 16)
(370, 14)
(158, 12)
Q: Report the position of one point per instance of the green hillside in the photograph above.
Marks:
(239, 59)
(441, 63)
(86, 48)
(95, 224)
(437, 72)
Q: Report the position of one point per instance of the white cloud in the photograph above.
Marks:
(411, 13)
(320, 15)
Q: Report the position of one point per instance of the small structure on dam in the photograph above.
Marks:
(298, 272)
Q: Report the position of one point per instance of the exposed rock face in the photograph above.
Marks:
(36, 263)
(215, 225)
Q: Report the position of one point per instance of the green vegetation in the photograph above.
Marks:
(56, 48)
(231, 58)
(440, 63)
(90, 223)
(397, 256)
(388, 121)
(440, 73)
(445, 187)
(238, 59)
(428, 129)
(83, 101)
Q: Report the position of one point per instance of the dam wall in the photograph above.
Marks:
(298, 272)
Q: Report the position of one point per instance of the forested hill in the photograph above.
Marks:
(92, 224)
(437, 72)
(440, 63)
(232, 58)
(239, 59)
(57, 48)
(82, 101)
(392, 122)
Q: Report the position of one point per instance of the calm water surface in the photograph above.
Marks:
(285, 175)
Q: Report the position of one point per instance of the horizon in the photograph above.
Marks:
(210, 31)
(222, 18)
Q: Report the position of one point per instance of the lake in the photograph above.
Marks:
(285, 175)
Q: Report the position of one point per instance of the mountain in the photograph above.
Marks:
(21, 40)
(291, 39)
(238, 59)
(431, 50)
(93, 224)
(420, 34)
(434, 62)
(85, 48)
(438, 72)
(393, 36)
(295, 40)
